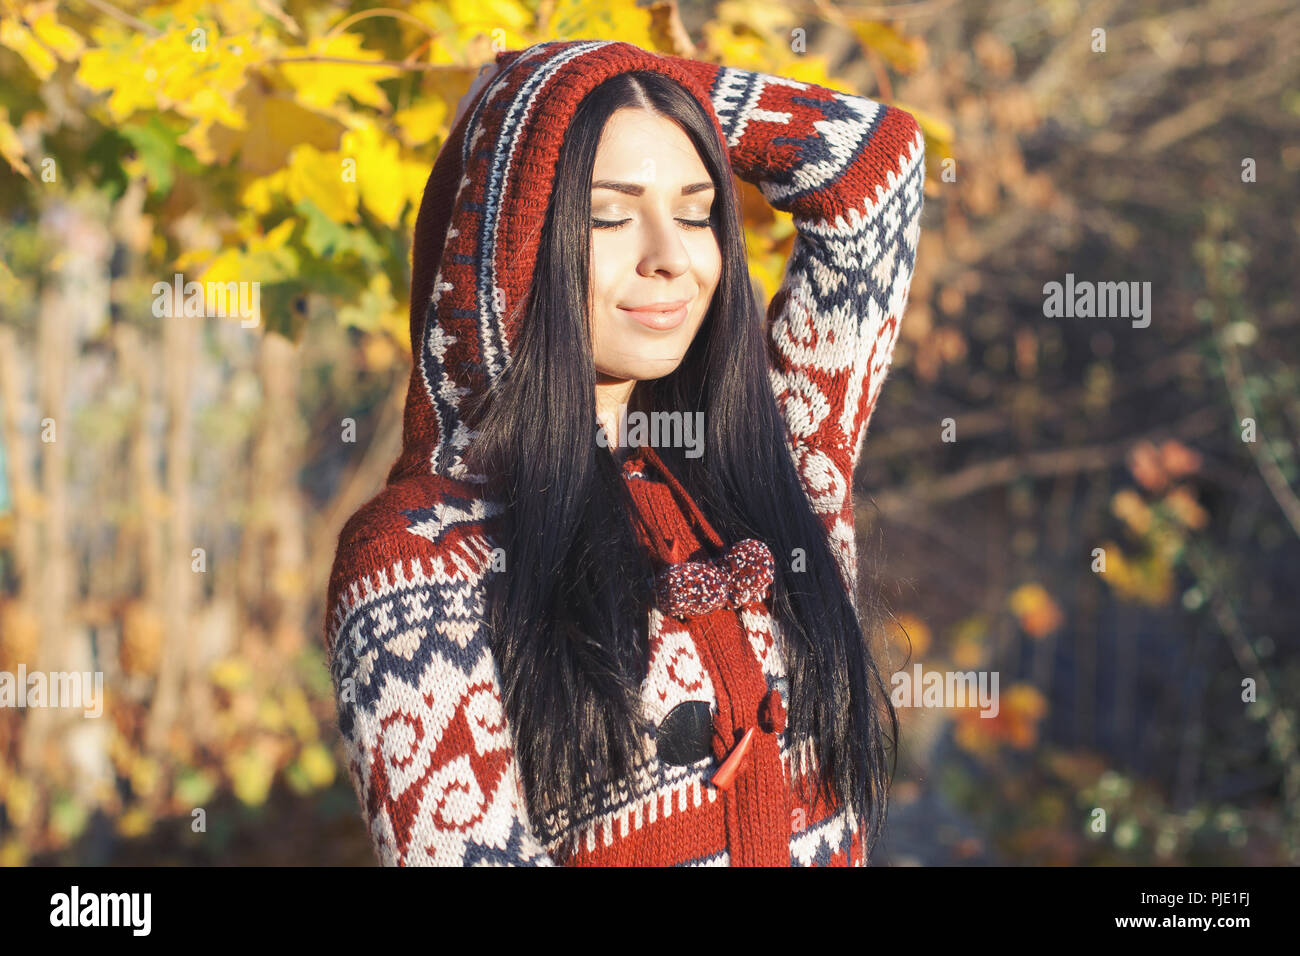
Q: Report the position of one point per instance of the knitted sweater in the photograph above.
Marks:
(429, 750)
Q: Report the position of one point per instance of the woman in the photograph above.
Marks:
(553, 648)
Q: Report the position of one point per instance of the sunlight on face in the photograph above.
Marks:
(659, 247)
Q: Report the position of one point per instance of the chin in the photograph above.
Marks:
(654, 370)
(645, 371)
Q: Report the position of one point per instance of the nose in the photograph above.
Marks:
(664, 250)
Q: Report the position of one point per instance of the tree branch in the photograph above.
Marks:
(1002, 471)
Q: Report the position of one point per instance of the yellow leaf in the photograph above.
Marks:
(96, 69)
(210, 107)
(741, 48)
(11, 148)
(145, 774)
(232, 265)
(758, 16)
(1128, 506)
(317, 765)
(231, 673)
(18, 39)
(297, 711)
(226, 266)
(1147, 579)
(903, 53)
(276, 124)
(182, 10)
(396, 323)
(251, 773)
(20, 799)
(938, 132)
(415, 176)
(320, 85)
(376, 162)
(598, 20)
(321, 178)
(12, 853)
(421, 124)
(487, 15)
(240, 17)
(125, 74)
(134, 823)
(270, 715)
(66, 43)
(259, 195)
(811, 69)
(274, 239)
(202, 83)
(1039, 614)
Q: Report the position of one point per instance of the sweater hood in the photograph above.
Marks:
(479, 228)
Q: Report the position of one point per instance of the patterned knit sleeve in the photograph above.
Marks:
(429, 751)
(850, 171)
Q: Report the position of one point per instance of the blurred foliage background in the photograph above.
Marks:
(171, 490)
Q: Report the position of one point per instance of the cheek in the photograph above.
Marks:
(608, 265)
(606, 280)
(706, 266)
(706, 260)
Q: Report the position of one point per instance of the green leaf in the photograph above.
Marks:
(327, 239)
(68, 817)
(195, 787)
(156, 145)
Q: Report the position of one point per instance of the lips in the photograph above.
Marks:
(657, 306)
(660, 316)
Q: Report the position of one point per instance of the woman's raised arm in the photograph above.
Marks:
(850, 171)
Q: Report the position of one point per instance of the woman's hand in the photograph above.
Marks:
(485, 76)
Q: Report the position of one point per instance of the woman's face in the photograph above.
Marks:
(650, 183)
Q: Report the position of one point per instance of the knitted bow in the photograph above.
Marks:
(742, 576)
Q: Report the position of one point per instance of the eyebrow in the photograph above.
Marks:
(636, 189)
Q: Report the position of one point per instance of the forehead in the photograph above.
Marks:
(644, 147)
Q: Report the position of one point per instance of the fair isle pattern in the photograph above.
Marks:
(418, 699)
(848, 276)
(420, 713)
(429, 749)
(522, 104)
(487, 289)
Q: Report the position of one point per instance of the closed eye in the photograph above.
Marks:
(615, 225)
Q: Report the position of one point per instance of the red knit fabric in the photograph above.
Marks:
(429, 748)
(757, 809)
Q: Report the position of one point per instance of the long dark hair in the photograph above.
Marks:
(568, 617)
